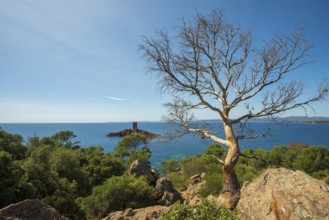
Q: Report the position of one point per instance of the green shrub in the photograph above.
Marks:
(13, 185)
(283, 156)
(101, 167)
(246, 173)
(312, 159)
(143, 155)
(170, 166)
(128, 144)
(64, 200)
(12, 143)
(180, 173)
(216, 149)
(178, 180)
(214, 180)
(194, 165)
(260, 163)
(117, 193)
(206, 211)
(322, 175)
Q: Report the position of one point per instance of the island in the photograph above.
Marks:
(134, 129)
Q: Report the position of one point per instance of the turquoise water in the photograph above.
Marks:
(95, 134)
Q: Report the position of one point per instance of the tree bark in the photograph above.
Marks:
(231, 187)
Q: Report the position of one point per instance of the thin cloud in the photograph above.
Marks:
(115, 98)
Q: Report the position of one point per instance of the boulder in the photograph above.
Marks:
(148, 213)
(284, 194)
(31, 209)
(197, 178)
(165, 194)
(191, 194)
(155, 174)
(141, 168)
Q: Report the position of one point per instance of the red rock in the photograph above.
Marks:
(284, 194)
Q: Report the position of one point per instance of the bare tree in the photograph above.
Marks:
(215, 65)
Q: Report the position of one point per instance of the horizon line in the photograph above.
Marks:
(149, 121)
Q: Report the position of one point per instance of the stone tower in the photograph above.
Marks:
(135, 126)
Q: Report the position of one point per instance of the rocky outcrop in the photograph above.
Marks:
(165, 194)
(126, 132)
(191, 194)
(284, 194)
(30, 210)
(148, 213)
(141, 168)
(134, 129)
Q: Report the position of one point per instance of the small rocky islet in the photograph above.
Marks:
(134, 129)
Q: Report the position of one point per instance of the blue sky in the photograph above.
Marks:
(78, 60)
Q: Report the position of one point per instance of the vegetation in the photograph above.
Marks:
(117, 193)
(78, 182)
(212, 64)
(205, 210)
(58, 172)
(128, 144)
(87, 183)
(313, 160)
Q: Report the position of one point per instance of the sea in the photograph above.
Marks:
(95, 134)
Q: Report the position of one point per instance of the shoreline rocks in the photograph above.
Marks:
(134, 129)
(126, 132)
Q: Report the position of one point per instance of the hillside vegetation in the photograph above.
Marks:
(313, 160)
(88, 183)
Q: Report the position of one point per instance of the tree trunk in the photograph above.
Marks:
(231, 187)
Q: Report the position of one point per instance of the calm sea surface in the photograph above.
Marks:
(95, 134)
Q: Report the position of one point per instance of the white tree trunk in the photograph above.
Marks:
(231, 187)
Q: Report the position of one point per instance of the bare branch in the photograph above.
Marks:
(219, 160)
(255, 156)
(284, 99)
(180, 113)
(208, 134)
(218, 65)
(284, 54)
